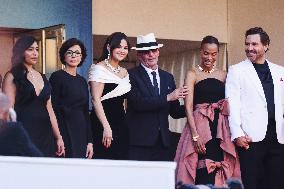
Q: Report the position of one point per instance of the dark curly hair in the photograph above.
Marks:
(113, 41)
(209, 39)
(264, 38)
(70, 43)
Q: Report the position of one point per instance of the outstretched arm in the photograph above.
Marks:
(142, 103)
(176, 109)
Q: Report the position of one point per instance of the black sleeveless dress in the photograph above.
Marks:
(32, 112)
(209, 90)
(115, 115)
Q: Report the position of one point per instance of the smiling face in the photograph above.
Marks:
(120, 53)
(208, 55)
(73, 56)
(255, 50)
(149, 58)
(31, 54)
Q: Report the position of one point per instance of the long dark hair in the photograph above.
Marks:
(113, 41)
(18, 57)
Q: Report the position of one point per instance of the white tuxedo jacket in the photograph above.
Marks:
(248, 107)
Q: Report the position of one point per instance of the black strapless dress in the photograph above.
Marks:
(209, 90)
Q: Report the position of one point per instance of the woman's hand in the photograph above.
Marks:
(89, 151)
(60, 147)
(107, 137)
(199, 146)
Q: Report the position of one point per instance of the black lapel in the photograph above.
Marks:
(163, 83)
(146, 79)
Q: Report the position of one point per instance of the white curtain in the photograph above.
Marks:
(178, 64)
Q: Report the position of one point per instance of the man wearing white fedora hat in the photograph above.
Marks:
(153, 97)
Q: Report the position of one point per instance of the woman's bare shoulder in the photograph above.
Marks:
(8, 76)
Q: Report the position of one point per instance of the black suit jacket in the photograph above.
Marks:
(147, 115)
(14, 141)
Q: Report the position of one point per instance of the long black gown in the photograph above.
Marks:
(32, 112)
(70, 99)
(115, 114)
(209, 90)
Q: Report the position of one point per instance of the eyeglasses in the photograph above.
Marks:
(148, 51)
(70, 53)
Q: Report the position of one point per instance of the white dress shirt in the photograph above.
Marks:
(148, 70)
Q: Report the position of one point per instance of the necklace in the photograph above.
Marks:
(31, 73)
(115, 70)
(34, 81)
(206, 71)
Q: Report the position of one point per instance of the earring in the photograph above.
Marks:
(108, 55)
(108, 50)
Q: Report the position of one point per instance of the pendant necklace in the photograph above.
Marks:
(34, 81)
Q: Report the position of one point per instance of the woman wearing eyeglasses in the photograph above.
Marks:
(29, 92)
(70, 99)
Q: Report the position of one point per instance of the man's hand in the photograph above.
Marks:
(243, 142)
(180, 92)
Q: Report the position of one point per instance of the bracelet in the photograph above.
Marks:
(194, 138)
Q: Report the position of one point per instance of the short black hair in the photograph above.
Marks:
(209, 39)
(70, 43)
(264, 38)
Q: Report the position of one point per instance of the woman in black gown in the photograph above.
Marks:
(205, 150)
(70, 100)
(29, 92)
(109, 83)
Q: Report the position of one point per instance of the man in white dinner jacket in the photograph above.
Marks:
(254, 88)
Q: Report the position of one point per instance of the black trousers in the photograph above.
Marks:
(157, 152)
(262, 164)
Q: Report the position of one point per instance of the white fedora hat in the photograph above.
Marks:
(146, 42)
